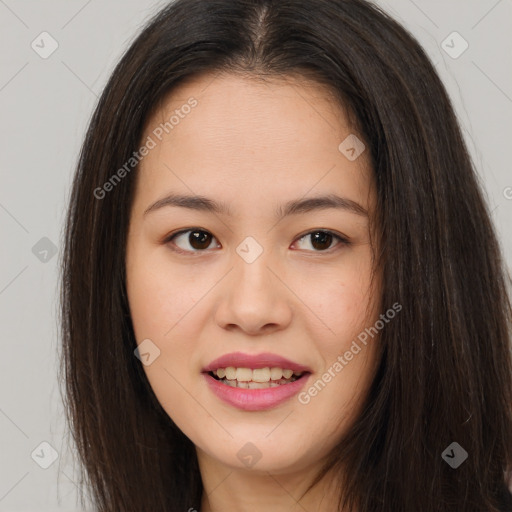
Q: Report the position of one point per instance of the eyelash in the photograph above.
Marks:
(341, 240)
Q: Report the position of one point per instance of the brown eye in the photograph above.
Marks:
(191, 240)
(322, 240)
(199, 239)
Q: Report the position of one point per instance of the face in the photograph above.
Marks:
(253, 281)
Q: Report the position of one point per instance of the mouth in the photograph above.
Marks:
(256, 378)
(255, 382)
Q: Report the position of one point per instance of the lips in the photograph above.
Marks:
(249, 390)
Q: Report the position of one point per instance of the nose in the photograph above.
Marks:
(253, 299)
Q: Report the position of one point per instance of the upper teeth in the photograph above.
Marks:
(257, 375)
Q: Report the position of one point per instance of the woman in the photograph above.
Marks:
(282, 289)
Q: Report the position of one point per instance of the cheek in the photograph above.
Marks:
(159, 294)
(341, 304)
(341, 297)
(346, 305)
(346, 315)
(161, 301)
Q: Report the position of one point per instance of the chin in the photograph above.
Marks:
(262, 456)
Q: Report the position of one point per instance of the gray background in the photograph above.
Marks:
(45, 106)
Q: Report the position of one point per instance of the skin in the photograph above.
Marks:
(254, 146)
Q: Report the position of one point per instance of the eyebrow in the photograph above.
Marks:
(296, 206)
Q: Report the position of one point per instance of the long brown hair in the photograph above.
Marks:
(445, 373)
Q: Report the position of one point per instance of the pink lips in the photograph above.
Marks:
(241, 360)
(255, 399)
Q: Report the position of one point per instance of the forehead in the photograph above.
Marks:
(233, 104)
(242, 133)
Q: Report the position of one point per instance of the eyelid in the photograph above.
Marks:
(342, 239)
(335, 234)
(169, 239)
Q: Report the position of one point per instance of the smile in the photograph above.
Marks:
(255, 382)
(258, 378)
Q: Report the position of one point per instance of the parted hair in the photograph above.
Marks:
(445, 370)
